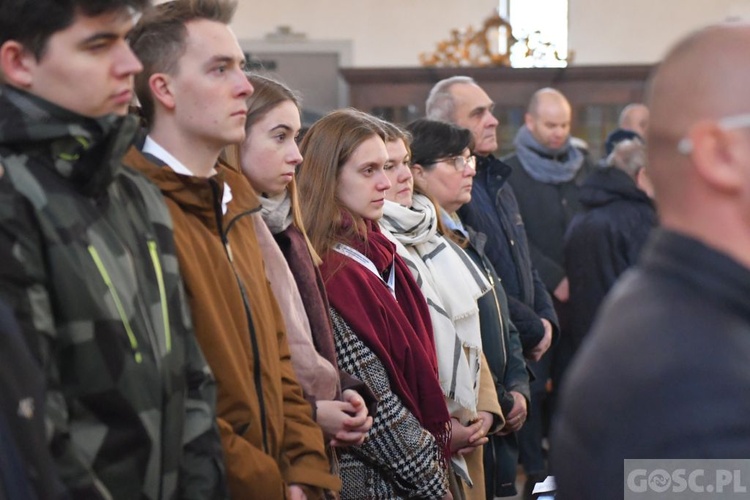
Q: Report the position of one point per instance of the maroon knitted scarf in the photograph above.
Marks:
(398, 331)
(310, 285)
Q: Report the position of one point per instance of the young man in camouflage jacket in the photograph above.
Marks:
(87, 262)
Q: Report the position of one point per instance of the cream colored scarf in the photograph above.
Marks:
(452, 284)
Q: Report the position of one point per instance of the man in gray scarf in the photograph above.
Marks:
(547, 172)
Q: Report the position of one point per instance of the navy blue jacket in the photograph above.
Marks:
(493, 211)
(603, 241)
(501, 345)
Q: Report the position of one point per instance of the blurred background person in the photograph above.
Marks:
(635, 117)
(607, 237)
(547, 172)
(663, 373)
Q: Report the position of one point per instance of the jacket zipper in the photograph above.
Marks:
(253, 335)
(499, 314)
(118, 305)
(152, 250)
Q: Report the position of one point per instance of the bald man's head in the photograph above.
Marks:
(704, 78)
(548, 118)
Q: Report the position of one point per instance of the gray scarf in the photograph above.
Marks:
(542, 163)
(277, 212)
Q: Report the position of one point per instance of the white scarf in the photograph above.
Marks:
(451, 284)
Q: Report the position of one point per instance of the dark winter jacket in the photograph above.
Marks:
(27, 470)
(87, 264)
(603, 241)
(547, 209)
(502, 348)
(663, 373)
(493, 211)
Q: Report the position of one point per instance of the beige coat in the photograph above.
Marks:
(475, 461)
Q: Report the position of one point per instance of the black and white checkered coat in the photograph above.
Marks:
(399, 458)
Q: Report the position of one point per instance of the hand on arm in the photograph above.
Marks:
(562, 291)
(517, 416)
(538, 351)
(346, 422)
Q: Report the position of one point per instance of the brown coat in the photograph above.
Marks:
(267, 431)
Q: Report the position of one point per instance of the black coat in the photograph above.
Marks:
(664, 372)
(603, 241)
(493, 211)
(547, 210)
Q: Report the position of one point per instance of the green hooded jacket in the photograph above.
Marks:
(87, 263)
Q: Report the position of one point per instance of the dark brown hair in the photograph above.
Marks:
(267, 95)
(32, 22)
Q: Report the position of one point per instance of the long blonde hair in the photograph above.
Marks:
(326, 147)
(269, 94)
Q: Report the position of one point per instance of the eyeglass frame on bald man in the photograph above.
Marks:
(685, 145)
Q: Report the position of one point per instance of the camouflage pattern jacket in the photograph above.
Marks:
(87, 263)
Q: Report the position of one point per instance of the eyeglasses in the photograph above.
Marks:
(459, 162)
(685, 146)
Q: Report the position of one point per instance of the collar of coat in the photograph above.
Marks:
(198, 195)
(85, 151)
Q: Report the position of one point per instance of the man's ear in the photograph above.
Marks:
(161, 89)
(717, 155)
(17, 64)
(528, 120)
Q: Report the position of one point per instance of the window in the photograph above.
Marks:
(543, 39)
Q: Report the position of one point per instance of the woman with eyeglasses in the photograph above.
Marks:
(381, 323)
(443, 171)
(451, 284)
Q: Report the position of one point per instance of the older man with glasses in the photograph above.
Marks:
(494, 213)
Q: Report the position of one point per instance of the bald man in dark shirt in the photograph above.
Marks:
(664, 372)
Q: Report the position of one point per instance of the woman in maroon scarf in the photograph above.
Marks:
(381, 323)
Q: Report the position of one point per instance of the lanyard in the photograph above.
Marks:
(368, 264)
